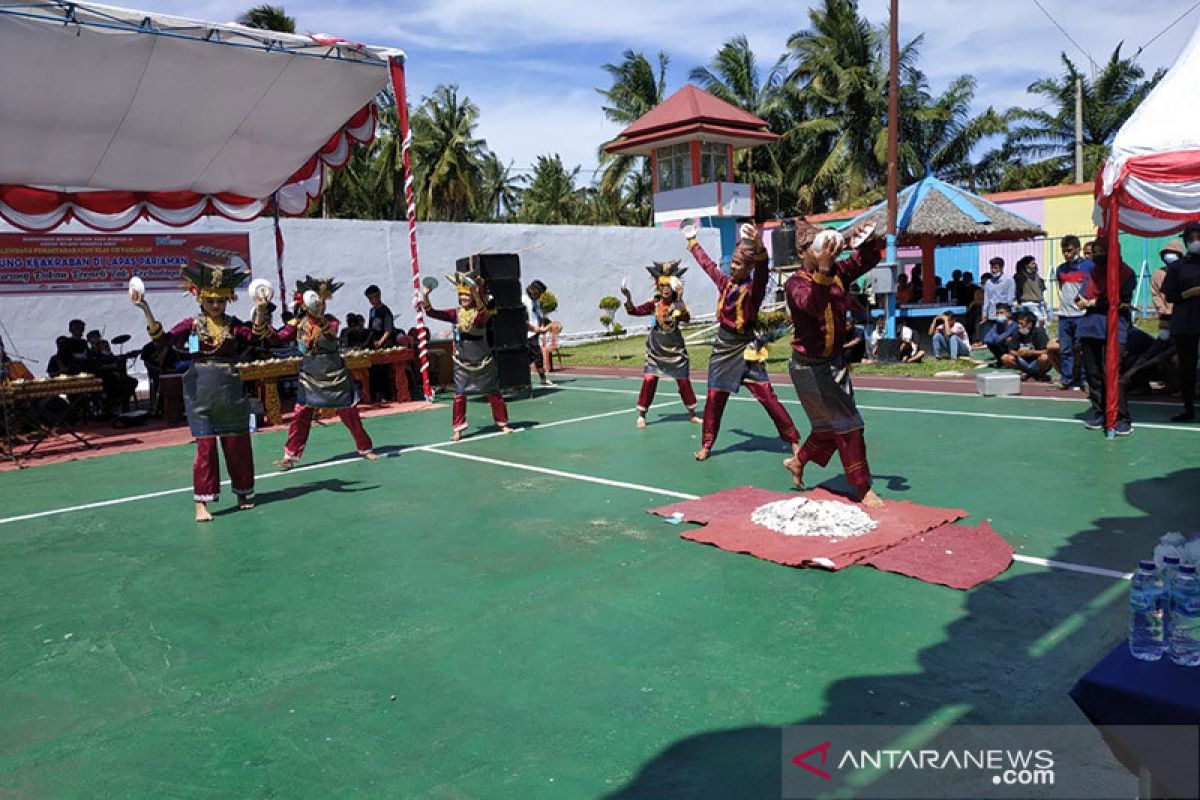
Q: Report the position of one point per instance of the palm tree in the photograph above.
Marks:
(636, 88)
(500, 189)
(939, 134)
(447, 156)
(1042, 140)
(268, 18)
(551, 198)
(734, 76)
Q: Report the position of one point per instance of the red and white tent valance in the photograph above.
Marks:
(114, 115)
(1153, 172)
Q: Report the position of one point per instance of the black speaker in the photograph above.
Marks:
(513, 365)
(783, 244)
(509, 328)
(506, 294)
(492, 266)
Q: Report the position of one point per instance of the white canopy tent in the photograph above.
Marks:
(109, 115)
(1150, 184)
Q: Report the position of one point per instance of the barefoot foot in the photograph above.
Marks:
(701, 454)
(696, 420)
(370, 455)
(284, 464)
(245, 503)
(796, 467)
(872, 500)
(641, 422)
(505, 429)
(202, 514)
(456, 436)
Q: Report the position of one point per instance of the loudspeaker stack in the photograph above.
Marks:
(507, 330)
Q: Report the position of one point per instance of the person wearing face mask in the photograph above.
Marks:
(1093, 331)
(1070, 276)
(1028, 349)
(999, 288)
(1181, 288)
(997, 338)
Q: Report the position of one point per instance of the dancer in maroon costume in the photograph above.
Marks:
(731, 366)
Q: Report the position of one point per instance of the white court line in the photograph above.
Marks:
(322, 465)
(572, 475)
(1066, 565)
(1068, 397)
(933, 411)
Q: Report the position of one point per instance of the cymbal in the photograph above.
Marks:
(122, 339)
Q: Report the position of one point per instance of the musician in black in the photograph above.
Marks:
(119, 386)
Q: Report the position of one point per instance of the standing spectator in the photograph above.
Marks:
(1093, 330)
(997, 288)
(949, 336)
(1031, 289)
(965, 295)
(1070, 274)
(380, 321)
(997, 338)
(917, 284)
(953, 285)
(382, 326)
(537, 325)
(1181, 287)
(1171, 252)
(854, 348)
(1028, 349)
(974, 312)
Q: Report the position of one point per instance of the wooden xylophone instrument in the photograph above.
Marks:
(40, 388)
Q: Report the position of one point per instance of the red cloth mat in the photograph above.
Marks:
(726, 517)
(957, 556)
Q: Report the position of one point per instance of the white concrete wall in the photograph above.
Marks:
(579, 264)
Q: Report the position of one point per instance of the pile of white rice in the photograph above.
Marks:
(800, 516)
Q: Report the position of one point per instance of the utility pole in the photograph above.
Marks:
(1078, 130)
(893, 177)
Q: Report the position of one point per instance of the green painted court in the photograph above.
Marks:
(501, 617)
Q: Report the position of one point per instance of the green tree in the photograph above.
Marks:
(551, 197)
(447, 156)
(268, 18)
(500, 189)
(1041, 141)
(637, 86)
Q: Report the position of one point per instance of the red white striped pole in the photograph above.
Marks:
(283, 293)
(396, 66)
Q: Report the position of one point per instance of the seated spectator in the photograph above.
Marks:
(950, 337)
(997, 338)
(1028, 349)
(953, 286)
(903, 291)
(878, 334)
(916, 285)
(939, 292)
(855, 347)
(1148, 363)
(910, 351)
(355, 335)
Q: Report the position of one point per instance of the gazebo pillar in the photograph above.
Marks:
(928, 246)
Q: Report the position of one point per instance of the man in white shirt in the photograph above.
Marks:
(536, 321)
(999, 288)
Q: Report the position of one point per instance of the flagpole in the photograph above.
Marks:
(893, 177)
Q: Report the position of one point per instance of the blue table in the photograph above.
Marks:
(1122, 690)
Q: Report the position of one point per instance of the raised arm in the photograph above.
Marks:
(708, 265)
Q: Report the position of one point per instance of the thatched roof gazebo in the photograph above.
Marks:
(932, 212)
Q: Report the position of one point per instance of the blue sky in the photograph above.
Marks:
(532, 66)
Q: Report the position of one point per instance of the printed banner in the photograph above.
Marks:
(100, 262)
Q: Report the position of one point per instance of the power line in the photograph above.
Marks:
(1164, 30)
(1064, 33)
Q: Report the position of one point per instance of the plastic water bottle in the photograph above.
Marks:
(1184, 645)
(253, 423)
(1147, 607)
(1168, 570)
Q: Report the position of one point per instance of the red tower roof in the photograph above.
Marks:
(691, 113)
